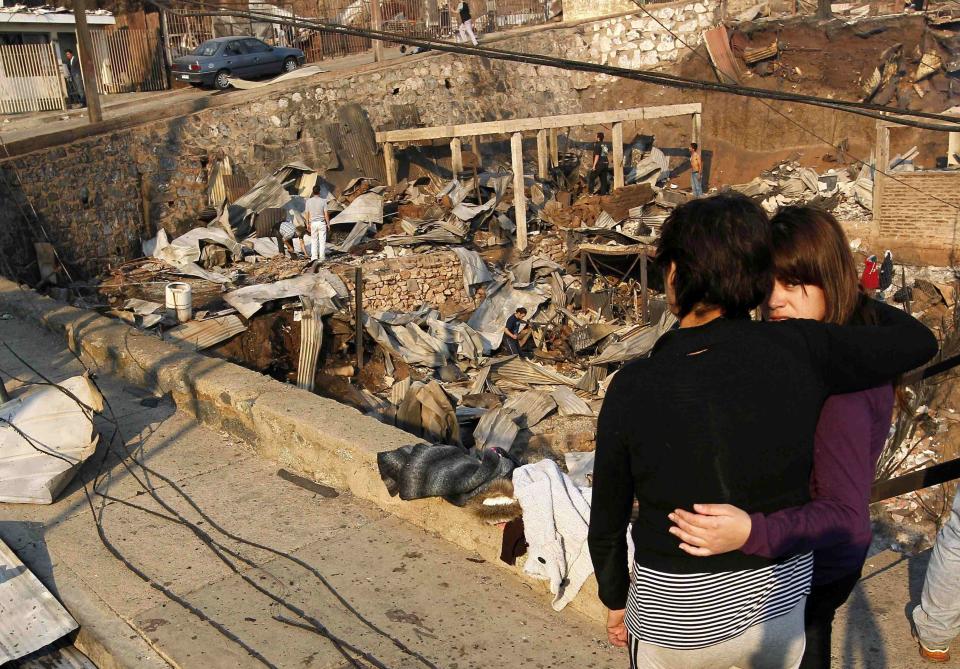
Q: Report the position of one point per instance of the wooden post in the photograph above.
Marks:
(167, 55)
(883, 162)
(554, 148)
(644, 292)
(475, 146)
(696, 129)
(390, 164)
(88, 67)
(456, 156)
(543, 170)
(376, 24)
(618, 155)
(583, 280)
(358, 313)
(519, 198)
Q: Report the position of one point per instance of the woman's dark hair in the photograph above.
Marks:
(721, 248)
(810, 247)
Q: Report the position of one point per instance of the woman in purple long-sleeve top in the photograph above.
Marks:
(815, 278)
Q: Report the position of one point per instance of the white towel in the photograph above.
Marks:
(556, 515)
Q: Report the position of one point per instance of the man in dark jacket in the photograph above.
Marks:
(75, 78)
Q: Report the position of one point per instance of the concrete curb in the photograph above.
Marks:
(331, 442)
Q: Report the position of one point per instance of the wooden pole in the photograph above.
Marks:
(456, 156)
(358, 309)
(376, 25)
(88, 67)
(543, 170)
(644, 291)
(167, 55)
(390, 164)
(696, 130)
(583, 280)
(618, 155)
(554, 148)
(519, 197)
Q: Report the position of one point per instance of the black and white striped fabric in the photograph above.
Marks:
(686, 611)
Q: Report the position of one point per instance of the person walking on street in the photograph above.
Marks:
(75, 78)
(937, 619)
(696, 170)
(466, 23)
(599, 166)
(319, 217)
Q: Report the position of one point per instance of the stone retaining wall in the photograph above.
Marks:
(404, 284)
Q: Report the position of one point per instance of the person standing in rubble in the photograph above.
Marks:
(319, 217)
(696, 170)
(815, 277)
(517, 331)
(704, 418)
(600, 166)
(466, 23)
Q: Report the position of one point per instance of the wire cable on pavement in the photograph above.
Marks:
(216, 547)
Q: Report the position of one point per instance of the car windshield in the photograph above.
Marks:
(208, 48)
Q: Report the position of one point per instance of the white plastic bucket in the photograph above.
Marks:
(179, 301)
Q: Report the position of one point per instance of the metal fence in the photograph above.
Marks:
(130, 60)
(30, 79)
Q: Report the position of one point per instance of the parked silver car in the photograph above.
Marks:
(211, 63)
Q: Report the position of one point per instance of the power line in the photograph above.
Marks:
(903, 117)
(860, 161)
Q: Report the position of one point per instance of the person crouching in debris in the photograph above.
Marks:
(293, 226)
(466, 23)
(517, 331)
(599, 166)
(319, 217)
(724, 409)
(696, 170)
(814, 277)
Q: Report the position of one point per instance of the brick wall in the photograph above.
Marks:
(909, 214)
(403, 284)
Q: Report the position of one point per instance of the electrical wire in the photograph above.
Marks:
(344, 647)
(903, 117)
(859, 161)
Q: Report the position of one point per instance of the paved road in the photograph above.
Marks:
(451, 607)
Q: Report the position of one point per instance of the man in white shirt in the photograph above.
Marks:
(319, 218)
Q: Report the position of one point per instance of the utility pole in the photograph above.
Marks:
(91, 85)
(377, 24)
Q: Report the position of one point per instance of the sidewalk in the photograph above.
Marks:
(16, 127)
(447, 605)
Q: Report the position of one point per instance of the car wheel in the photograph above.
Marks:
(222, 81)
(290, 64)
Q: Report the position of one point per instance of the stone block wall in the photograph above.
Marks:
(907, 211)
(404, 284)
(630, 40)
(90, 195)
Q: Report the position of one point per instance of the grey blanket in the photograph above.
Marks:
(437, 470)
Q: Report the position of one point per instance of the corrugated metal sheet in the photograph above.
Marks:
(516, 370)
(360, 141)
(530, 407)
(67, 657)
(569, 404)
(204, 334)
(311, 338)
(30, 617)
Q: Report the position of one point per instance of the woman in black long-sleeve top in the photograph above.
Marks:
(724, 409)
